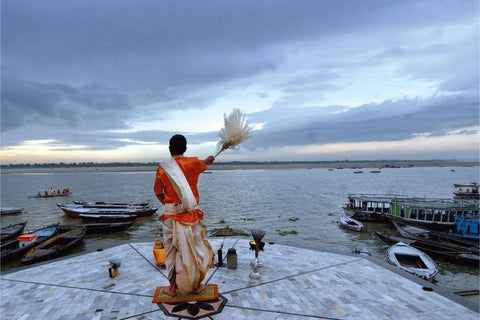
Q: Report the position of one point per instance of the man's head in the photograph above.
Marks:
(178, 144)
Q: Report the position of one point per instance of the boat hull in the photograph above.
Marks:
(350, 224)
(409, 232)
(66, 194)
(13, 250)
(11, 232)
(10, 210)
(103, 204)
(108, 217)
(55, 246)
(361, 215)
(76, 210)
(107, 227)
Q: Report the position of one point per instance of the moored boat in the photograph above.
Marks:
(349, 223)
(416, 233)
(436, 250)
(16, 248)
(435, 214)
(467, 228)
(10, 210)
(369, 207)
(55, 246)
(466, 192)
(104, 204)
(447, 253)
(11, 231)
(412, 260)
(108, 217)
(75, 210)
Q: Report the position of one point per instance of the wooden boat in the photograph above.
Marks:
(470, 193)
(434, 214)
(105, 227)
(11, 232)
(447, 253)
(436, 250)
(416, 233)
(75, 210)
(103, 204)
(55, 246)
(369, 207)
(108, 217)
(51, 195)
(412, 260)
(349, 223)
(10, 210)
(15, 248)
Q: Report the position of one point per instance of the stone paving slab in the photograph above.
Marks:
(296, 284)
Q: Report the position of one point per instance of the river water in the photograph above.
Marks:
(297, 207)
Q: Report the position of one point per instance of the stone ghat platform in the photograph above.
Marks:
(296, 284)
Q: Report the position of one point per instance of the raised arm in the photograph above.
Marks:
(208, 160)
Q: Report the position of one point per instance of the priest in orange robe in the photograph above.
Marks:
(188, 254)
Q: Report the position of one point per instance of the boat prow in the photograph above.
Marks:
(350, 224)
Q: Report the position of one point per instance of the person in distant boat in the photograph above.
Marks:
(46, 193)
(188, 255)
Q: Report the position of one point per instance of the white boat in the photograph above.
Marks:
(412, 260)
(349, 223)
(10, 210)
(369, 207)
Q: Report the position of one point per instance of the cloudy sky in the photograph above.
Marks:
(94, 80)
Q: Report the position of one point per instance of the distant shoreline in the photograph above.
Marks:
(260, 165)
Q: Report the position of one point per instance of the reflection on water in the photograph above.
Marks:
(282, 202)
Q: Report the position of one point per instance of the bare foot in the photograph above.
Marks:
(170, 292)
(199, 289)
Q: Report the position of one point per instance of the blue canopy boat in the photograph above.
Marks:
(467, 227)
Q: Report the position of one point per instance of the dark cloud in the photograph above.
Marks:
(387, 121)
(180, 43)
(55, 104)
(461, 83)
(84, 72)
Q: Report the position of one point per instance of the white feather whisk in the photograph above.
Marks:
(236, 129)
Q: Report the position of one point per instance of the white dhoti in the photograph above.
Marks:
(188, 254)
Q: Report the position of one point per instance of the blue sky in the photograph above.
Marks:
(103, 81)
